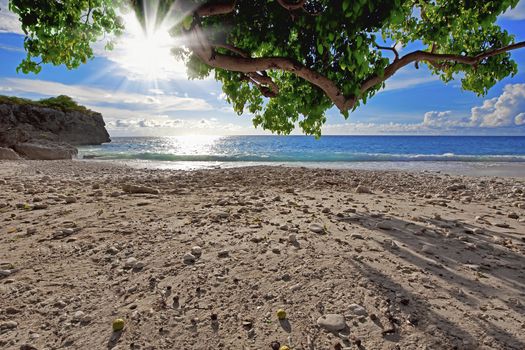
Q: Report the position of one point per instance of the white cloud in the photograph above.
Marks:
(444, 119)
(361, 128)
(517, 13)
(168, 126)
(503, 110)
(409, 78)
(500, 115)
(520, 119)
(10, 48)
(145, 123)
(95, 96)
(9, 22)
(156, 91)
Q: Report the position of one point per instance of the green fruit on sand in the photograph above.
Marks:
(118, 325)
(281, 314)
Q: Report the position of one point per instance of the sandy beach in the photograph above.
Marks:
(205, 259)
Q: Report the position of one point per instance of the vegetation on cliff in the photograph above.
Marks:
(62, 102)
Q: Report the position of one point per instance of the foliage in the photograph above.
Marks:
(341, 40)
(63, 32)
(62, 102)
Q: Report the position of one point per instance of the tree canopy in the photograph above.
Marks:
(287, 62)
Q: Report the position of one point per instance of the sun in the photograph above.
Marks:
(146, 54)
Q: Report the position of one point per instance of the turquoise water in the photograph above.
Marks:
(299, 149)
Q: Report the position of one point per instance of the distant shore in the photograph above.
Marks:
(204, 259)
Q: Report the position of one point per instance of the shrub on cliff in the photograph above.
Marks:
(62, 102)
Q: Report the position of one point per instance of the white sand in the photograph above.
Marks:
(435, 261)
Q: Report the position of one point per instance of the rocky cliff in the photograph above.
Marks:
(27, 127)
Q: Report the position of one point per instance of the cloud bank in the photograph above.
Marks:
(503, 114)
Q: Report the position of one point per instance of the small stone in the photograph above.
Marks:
(112, 250)
(60, 304)
(221, 215)
(384, 225)
(70, 199)
(275, 345)
(332, 322)
(8, 325)
(316, 228)
(427, 249)
(27, 346)
(139, 265)
(130, 263)
(391, 244)
(188, 258)
(62, 233)
(139, 189)
(31, 230)
(357, 309)
(292, 238)
(12, 310)
(196, 251)
(5, 273)
(513, 216)
(497, 240)
(78, 316)
(362, 189)
(223, 254)
(296, 287)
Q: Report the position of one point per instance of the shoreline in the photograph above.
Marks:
(203, 259)
(474, 169)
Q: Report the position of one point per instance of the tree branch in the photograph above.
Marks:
(292, 7)
(250, 66)
(215, 9)
(393, 49)
(232, 48)
(205, 51)
(435, 59)
(264, 83)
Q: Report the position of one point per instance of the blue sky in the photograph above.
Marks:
(119, 84)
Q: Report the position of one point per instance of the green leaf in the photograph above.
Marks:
(346, 4)
(187, 22)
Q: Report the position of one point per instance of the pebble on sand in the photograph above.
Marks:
(317, 228)
(332, 322)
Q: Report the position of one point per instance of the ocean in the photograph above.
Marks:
(369, 152)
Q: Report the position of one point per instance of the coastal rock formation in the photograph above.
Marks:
(46, 151)
(8, 154)
(40, 132)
